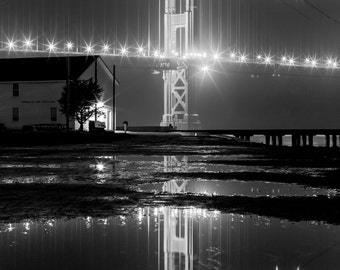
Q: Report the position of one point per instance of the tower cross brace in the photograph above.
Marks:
(178, 39)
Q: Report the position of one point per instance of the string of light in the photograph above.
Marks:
(88, 48)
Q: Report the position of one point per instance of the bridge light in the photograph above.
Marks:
(307, 60)
(69, 46)
(335, 64)
(243, 58)
(140, 49)
(291, 61)
(283, 59)
(11, 44)
(105, 48)
(51, 47)
(205, 68)
(216, 56)
(259, 57)
(89, 49)
(28, 43)
(268, 59)
(232, 55)
(314, 63)
(123, 51)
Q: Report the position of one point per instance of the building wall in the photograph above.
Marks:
(36, 99)
(105, 81)
(34, 103)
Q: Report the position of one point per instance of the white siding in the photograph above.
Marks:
(34, 102)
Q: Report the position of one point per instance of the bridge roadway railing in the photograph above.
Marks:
(274, 137)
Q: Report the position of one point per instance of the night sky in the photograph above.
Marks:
(223, 100)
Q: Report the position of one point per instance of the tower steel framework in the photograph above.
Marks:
(178, 84)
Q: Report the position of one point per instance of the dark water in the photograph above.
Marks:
(170, 238)
(164, 237)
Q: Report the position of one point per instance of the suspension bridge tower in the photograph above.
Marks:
(179, 84)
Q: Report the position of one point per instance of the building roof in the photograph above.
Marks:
(39, 67)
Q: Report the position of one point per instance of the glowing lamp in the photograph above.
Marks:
(89, 49)
(243, 58)
(205, 68)
(69, 45)
(123, 51)
(268, 60)
(106, 48)
(51, 47)
(28, 44)
(140, 49)
(291, 61)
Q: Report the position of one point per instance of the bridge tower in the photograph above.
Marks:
(178, 84)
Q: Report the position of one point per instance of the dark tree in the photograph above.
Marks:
(84, 94)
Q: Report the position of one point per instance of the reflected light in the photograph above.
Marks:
(100, 167)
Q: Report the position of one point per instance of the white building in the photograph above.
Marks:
(31, 85)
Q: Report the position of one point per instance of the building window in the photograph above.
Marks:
(53, 113)
(15, 89)
(15, 114)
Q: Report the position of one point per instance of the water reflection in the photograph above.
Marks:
(169, 238)
(138, 170)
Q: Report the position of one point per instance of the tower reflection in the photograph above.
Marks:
(178, 223)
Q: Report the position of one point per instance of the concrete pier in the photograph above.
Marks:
(274, 137)
(310, 140)
(335, 140)
(328, 140)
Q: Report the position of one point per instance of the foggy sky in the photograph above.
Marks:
(222, 100)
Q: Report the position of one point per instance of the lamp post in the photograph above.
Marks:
(96, 83)
(114, 99)
(68, 94)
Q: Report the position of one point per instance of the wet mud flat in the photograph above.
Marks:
(56, 181)
(53, 201)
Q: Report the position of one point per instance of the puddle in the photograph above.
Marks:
(233, 188)
(170, 238)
